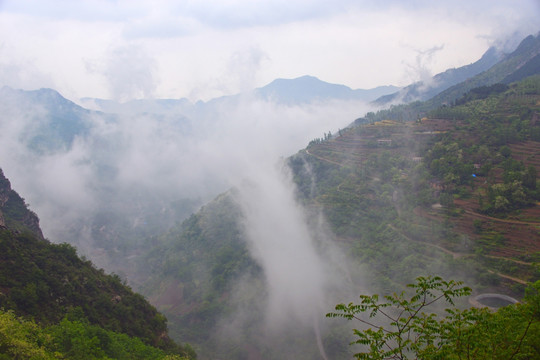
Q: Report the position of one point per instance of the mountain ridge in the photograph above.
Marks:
(296, 91)
(47, 282)
(305, 89)
(443, 80)
(388, 203)
(360, 176)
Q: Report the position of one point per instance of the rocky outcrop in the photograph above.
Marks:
(4, 190)
(14, 213)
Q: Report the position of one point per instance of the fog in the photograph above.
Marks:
(102, 189)
(130, 165)
(113, 176)
(279, 238)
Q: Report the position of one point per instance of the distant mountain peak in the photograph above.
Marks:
(308, 88)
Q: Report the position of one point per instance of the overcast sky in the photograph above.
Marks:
(201, 49)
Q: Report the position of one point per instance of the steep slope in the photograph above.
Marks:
(194, 264)
(462, 182)
(204, 274)
(521, 63)
(45, 281)
(77, 168)
(515, 66)
(401, 201)
(13, 211)
(442, 81)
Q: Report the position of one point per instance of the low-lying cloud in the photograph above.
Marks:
(122, 162)
(113, 177)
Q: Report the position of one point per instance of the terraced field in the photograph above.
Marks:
(528, 152)
(355, 146)
(512, 242)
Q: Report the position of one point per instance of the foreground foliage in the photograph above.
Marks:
(77, 311)
(399, 327)
(70, 339)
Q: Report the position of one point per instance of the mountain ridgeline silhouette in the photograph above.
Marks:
(308, 89)
(203, 209)
(494, 66)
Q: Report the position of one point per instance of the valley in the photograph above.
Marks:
(243, 247)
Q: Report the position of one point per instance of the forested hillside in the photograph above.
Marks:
(454, 194)
(71, 309)
(457, 186)
(444, 187)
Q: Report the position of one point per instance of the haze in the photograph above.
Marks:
(104, 190)
(205, 49)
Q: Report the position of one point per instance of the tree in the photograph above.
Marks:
(505, 151)
(399, 327)
(529, 178)
(21, 339)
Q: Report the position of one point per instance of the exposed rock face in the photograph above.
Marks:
(13, 211)
(4, 190)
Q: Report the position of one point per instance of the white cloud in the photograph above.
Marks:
(361, 44)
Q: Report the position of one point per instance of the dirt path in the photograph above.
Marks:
(517, 222)
(455, 255)
(509, 277)
(424, 214)
(458, 255)
(324, 159)
(512, 260)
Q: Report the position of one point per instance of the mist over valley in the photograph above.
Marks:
(242, 214)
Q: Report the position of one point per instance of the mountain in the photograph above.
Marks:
(308, 89)
(442, 81)
(83, 153)
(53, 121)
(374, 206)
(454, 194)
(47, 282)
(14, 213)
(141, 106)
(98, 170)
(299, 91)
(519, 64)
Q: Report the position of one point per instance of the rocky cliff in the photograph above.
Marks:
(14, 214)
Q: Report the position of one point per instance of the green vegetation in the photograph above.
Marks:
(448, 186)
(400, 199)
(194, 267)
(401, 326)
(489, 124)
(519, 65)
(445, 194)
(70, 339)
(76, 311)
(44, 281)
(393, 194)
